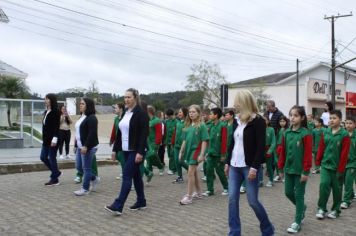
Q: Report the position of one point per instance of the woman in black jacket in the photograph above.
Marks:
(246, 154)
(131, 139)
(50, 129)
(86, 142)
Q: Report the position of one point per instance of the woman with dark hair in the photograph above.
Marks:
(86, 142)
(64, 132)
(131, 139)
(50, 129)
(326, 114)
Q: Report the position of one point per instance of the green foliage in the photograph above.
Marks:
(192, 97)
(207, 79)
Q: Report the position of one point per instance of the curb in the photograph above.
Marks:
(13, 168)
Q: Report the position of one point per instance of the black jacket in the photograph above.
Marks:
(138, 132)
(274, 119)
(50, 128)
(89, 132)
(254, 138)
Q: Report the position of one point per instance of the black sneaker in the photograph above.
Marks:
(113, 210)
(136, 207)
(178, 180)
(52, 183)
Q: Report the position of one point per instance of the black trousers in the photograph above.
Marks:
(64, 138)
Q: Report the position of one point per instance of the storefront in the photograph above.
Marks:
(351, 104)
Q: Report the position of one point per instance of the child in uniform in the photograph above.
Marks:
(283, 125)
(195, 137)
(317, 133)
(295, 162)
(269, 151)
(169, 129)
(350, 175)
(216, 153)
(310, 123)
(332, 157)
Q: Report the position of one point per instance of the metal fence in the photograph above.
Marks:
(25, 117)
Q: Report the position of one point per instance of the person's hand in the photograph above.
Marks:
(138, 158)
(113, 156)
(252, 174)
(222, 159)
(226, 170)
(201, 158)
(83, 150)
(304, 178)
(53, 144)
(281, 175)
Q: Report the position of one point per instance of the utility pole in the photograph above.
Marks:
(333, 50)
(297, 85)
(3, 17)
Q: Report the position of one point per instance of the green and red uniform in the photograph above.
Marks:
(193, 137)
(217, 149)
(270, 149)
(177, 141)
(332, 157)
(169, 130)
(154, 139)
(350, 175)
(296, 159)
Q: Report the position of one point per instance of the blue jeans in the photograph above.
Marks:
(131, 171)
(83, 164)
(236, 176)
(48, 157)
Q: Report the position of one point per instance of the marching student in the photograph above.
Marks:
(154, 140)
(283, 124)
(295, 162)
(332, 157)
(310, 123)
(169, 129)
(195, 137)
(317, 133)
(208, 123)
(350, 176)
(269, 151)
(216, 153)
(177, 142)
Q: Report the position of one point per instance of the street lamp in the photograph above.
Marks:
(3, 17)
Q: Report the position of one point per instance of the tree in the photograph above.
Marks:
(207, 79)
(12, 87)
(93, 91)
(260, 96)
(195, 97)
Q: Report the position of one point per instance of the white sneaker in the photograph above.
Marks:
(242, 189)
(333, 215)
(225, 192)
(161, 172)
(203, 178)
(355, 196)
(94, 184)
(344, 205)
(61, 157)
(117, 177)
(320, 214)
(81, 192)
(207, 194)
(77, 180)
(269, 184)
(276, 179)
(294, 228)
(169, 172)
(67, 156)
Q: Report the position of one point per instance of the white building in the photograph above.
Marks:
(314, 89)
(8, 70)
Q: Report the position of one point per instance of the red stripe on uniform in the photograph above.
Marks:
(197, 152)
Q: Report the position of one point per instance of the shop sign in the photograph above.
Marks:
(350, 100)
(320, 89)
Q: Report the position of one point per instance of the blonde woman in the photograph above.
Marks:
(195, 137)
(246, 154)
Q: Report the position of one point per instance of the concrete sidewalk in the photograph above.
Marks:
(28, 159)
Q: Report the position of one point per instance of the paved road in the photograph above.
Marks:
(27, 207)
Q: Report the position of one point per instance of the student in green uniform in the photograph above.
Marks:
(269, 151)
(317, 133)
(119, 109)
(208, 123)
(195, 137)
(154, 139)
(177, 142)
(216, 153)
(350, 175)
(295, 162)
(283, 124)
(332, 157)
(169, 129)
(310, 123)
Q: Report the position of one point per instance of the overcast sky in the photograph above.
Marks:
(152, 44)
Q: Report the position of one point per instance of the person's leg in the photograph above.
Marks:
(87, 160)
(269, 164)
(138, 183)
(60, 141)
(336, 186)
(94, 166)
(149, 159)
(299, 199)
(67, 141)
(350, 176)
(191, 179)
(196, 180)
(53, 162)
(119, 202)
(289, 186)
(324, 189)
(78, 163)
(120, 157)
(161, 151)
(235, 179)
(44, 156)
(210, 174)
(221, 174)
(252, 197)
(178, 162)
(155, 159)
(172, 165)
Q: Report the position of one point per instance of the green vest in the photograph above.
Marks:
(351, 162)
(170, 125)
(151, 139)
(179, 132)
(216, 139)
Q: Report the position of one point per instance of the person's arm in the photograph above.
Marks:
(174, 135)
(158, 134)
(223, 147)
(320, 153)
(56, 124)
(308, 154)
(92, 132)
(260, 137)
(181, 151)
(113, 135)
(272, 147)
(143, 132)
(345, 148)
